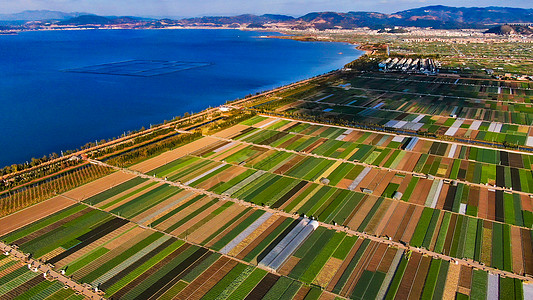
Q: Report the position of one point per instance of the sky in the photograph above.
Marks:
(193, 8)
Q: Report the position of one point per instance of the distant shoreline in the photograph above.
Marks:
(286, 36)
(306, 39)
(292, 37)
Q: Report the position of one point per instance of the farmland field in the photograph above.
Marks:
(333, 193)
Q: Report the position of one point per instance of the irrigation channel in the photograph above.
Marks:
(363, 235)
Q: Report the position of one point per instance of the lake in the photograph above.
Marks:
(62, 89)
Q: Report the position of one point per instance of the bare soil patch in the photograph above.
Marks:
(172, 155)
(33, 213)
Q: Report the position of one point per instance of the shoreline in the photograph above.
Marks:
(121, 139)
(306, 37)
(126, 139)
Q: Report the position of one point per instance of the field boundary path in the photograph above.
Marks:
(396, 110)
(368, 165)
(445, 82)
(428, 94)
(383, 240)
(49, 273)
(394, 133)
(156, 179)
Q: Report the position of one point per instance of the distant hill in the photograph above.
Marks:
(240, 19)
(39, 15)
(443, 17)
(439, 17)
(468, 15)
(429, 16)
(511, 29)
(324, 20)
(99, 20)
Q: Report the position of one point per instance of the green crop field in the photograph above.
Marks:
(357, 185)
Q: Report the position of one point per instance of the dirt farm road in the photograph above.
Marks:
(384, 240)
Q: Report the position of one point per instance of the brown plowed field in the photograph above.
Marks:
(228, 229)
(418, 284)
(133, 239)
(302, 292)
(210, 227)
(183, 228)
(256, 233)
(172, 155)
(399, 231)
(108, 200)
(451, 282)
(260, 238)
(98, 186)
(282, 207)
(228, 152)
(212, 281)
(287, 166)
(226, 176)
(182, 214)
(386, 262)
(172, 199)
(110, 208)
(410, 229)
(385, 219)
(265, 121)
(344, 265)
(378, 216)
(362, 210)
(289, 265)
(408, 276)
(33, 213)
(327, 272)
(359, 268)
(101, 241)
(232, 131)
(204, 277)
(377, 257)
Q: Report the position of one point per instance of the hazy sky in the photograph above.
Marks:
(188, 8)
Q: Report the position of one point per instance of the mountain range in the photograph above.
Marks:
(443, 17)
(40, 15)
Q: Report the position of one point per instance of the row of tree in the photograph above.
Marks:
(45, 189)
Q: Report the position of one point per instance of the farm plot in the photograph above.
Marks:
(437, 163)
(365, 212)
(138, 238)
(17, 281)
(403, 106)
(127, 261)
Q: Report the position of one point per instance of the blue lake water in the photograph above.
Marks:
(45, 109)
